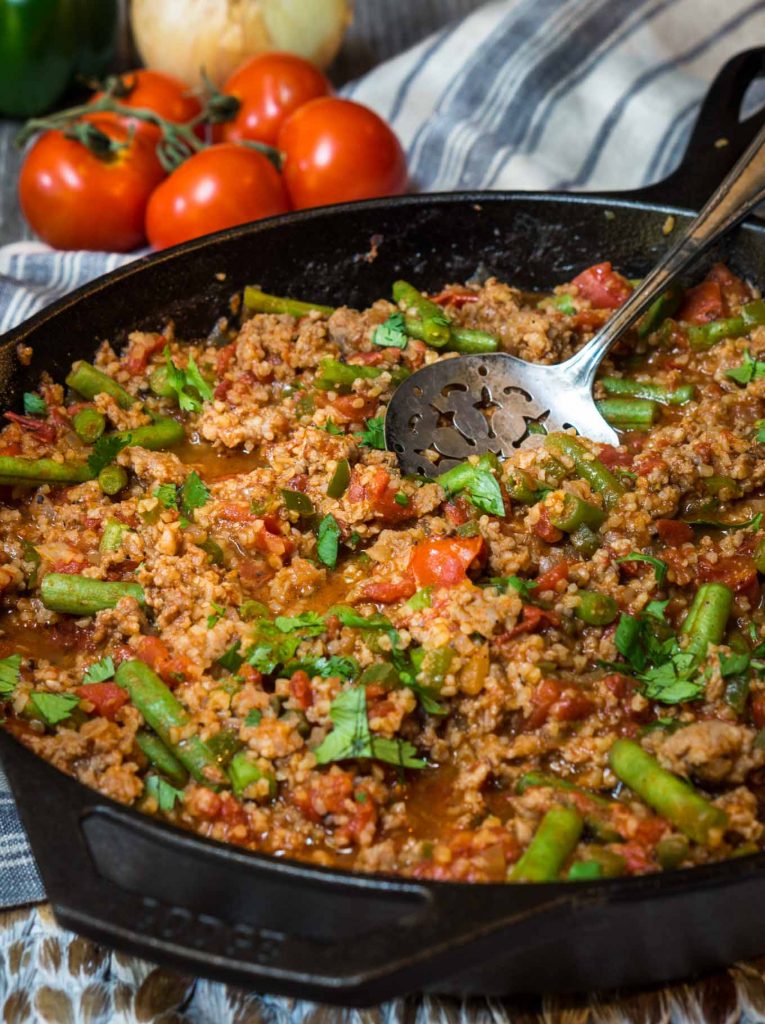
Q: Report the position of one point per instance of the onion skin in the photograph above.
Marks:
(183, 37)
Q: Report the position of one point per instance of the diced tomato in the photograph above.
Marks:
(555, 574)
(250, 674)
(544, 529)
(637, 858)
(615, 457)
(300, 688)
(11, 449)
(70, 568)
(106, 698)
(590, 319)
(603, 286)
(169, 667)
(736, 571)
(572, 706)
(373, 358)
(623, 687)
(363, 815)
(674, 532)
(444, 563)
(533, 619)
(224, 358)
(702, 303)
(734, 290)
(234, 512)
(382, 494)
(43, 431)
(647, 462)
(324, 794)
(457, 511)
(355, 408)
(270, 539)
(141, 347)
(456, 297)
(389, 591)
(757, 708)
(222, 389)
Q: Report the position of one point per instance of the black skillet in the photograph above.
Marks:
(280, 926)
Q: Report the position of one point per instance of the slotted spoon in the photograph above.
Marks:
(473, 404)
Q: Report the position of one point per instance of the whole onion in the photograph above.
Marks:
(184, 37)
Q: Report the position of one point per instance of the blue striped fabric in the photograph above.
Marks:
(519, 94)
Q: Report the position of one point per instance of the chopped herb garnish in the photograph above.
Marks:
(218, 611)
(166, 495)
(231, 659)
(373, 435)
(194, 493)
(523, 587)
(421, 599)
(254, 718)
(350, 617)
(99, 670)
(750, 369)
(351, 736)
(331, 428)
(10, 669)
(401, 498)
(182, 382)
(720, 524)
(337, 665)
(392, 333)
(657, 660)
(34, 405)
(327, 541)
(477, 483)
(165, 794)
(298, 502)
(659, 567)
(105, 451)
(253, 610)
(53, 707)
(309, 623)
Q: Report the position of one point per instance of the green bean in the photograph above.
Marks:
(159, 383)
(585, 540)
(628, 413)
(707, 618)
(111, 538)
(341, 477)
(224, 745)
(163, 433)
(164, 713)
(243, 773)
(334, 375)
(80, 595)
(659, 310)
(575, 513)
(724, 487)
(436, 326)
(163, 759)
(587, 466)
(704, 336)
(435, 667)
(553, 843)
(461, 339)
(112, 479)
(14, 469)
(759, 557)
(298, 502)
(89, 424)
(87, 381)
(256, 301)
(611, 864)
(521, 487)
(584, 871)
(643, 389)
(596, 609)
(671, 797)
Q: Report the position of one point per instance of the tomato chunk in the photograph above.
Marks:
(549, 580)
(544, 529)
(736, 571)
(106, 698)
(169, 667)
(604, 288)
(702, 303)
(533, 619)
(734, 290)
(389, 591)
(444, 563)
(674, 532)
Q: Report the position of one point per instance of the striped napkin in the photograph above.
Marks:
(517, 94)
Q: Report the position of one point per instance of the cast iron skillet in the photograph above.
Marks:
(281, 926)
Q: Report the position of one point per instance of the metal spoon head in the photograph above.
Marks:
(474, 404)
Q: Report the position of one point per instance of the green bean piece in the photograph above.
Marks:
(337, 376)
(338, 485)
(159, 383)
(596, 609)
(14, 469)
(469, 340)
(89, 424)
(704, 336)
(256, 301)
(436, 326)
(163, 433)
(707, 618)
(298, 502)
(671, 852)
(521, 487)
(87, 381)
(652, 392)
(575, 513)
(584, 871)
(80, 595)
(552, 844)
(164, 713)
(759, 557)
(666, 304)
(161, 757)
(736, 693)
(111, 538)
(628, 413)
(224, 745)
(724, 487)
(243, 773)
(214, 551)
(671, 797)
(112, 479)
(587, 466)
(612, 865)
(585, 540)
(435, 667)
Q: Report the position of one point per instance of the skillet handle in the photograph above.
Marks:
(705, 163)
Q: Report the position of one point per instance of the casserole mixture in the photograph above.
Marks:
(224, 605)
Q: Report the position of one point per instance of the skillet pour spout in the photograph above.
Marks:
(281, 926)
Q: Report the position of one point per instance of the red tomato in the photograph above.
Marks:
(604, 288)
(171, 667)
(106, 698)
(444, 563)
(336, 150)
(533, 619)
(544, 529)
(674, 532)
(734, 290)
(736, 571)
(217, 188)
(153, 90)
(386, 592)
(75, 200)
(702, 303)
(269, 88)
(549, 580)
(615, 457)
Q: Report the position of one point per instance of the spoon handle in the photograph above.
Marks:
(738, 193)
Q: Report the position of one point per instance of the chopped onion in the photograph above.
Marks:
(184, 37)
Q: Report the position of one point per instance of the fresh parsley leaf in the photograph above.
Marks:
(10, 670)
(735, 663)
(523, 587)
(760, 435)
(217, 613)
(350, 617)
(720, 524)
(99, 670)
(336, 665)
(182, 382)
(750, 369)
(53, 707)
(399, 752)
(392, 333)
(420, 599)
(231, 659)
(34, 405)
(659, 567)
(166, 495)
(331, 428)
(254, 718)
(105, 451)
(478, 484)
(165, 794)
(327, 541)
(373, 436)
(667, 683)
(309, 623)
(194, 493)
(351, 737)
(657, 609)
(563, 302)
